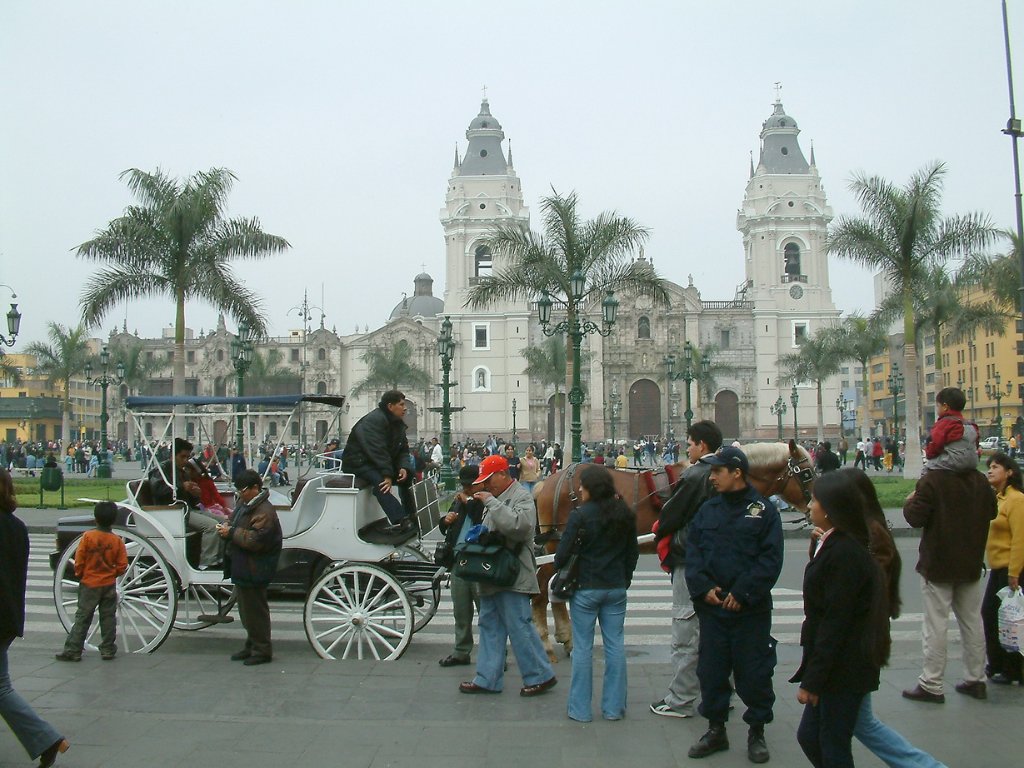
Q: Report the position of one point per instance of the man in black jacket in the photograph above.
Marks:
(702, 438)
(377, 452)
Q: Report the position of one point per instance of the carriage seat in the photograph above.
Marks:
(140, 490)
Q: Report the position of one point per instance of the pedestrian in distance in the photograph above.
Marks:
(608, 554)
(845, 634)
(40, 739)
(100, 559)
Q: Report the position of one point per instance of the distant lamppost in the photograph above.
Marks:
(842, 405)
(304, 311)
(778, 409)
(513, 422)
(689, 375)
(13, 320)
(242, 351)
(104, 380)
(794, 398)
(613, 415)
(895, 389)
(28, 423)
(997, 393)
(446, 351)
(576, 329)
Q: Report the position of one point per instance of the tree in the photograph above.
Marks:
(177, 243)
(138, 368)
(998, 274)
(900, 234)
(61, 360)
(547, 363)
(391, 368)
(863, 338)
(599, 249)
(9, 372)
(818, 359)
(266, 375)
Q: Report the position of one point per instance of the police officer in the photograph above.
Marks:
(733, 559)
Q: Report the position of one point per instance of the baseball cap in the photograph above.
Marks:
(490, 465)
(730, 457)
(467, 475)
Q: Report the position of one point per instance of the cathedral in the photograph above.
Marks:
(784, 297)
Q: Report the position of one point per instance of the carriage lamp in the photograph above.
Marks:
(104, 380)
(13, 320)
(778, 409)
(577, 328)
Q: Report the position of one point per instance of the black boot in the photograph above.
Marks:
(713, 741)
(757, 748)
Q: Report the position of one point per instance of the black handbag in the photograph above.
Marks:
(566, 580)
(444, 555)
(493, 564)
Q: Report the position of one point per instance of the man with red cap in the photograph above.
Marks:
(505, 614)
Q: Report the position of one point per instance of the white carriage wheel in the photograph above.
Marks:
(358, 611)
(201, 600)
(147, 596)
(424, 595)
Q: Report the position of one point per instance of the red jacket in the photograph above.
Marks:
(947, 429)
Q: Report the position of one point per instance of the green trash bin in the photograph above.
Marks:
(103, 471)
(51, 479)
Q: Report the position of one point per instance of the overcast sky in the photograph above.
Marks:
(340, 120)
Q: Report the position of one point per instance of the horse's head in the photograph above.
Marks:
(778, 469)
(800, 468)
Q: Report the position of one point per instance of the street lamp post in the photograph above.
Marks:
(1013, 130)
(895, 389)
(576, 329)
(446, 351)
(778, 409)
(242, 350)
(304, 312)
(996, 392)
(689, 375)
(613, 416)
(104, 380)
(794, 398)
(842, 405)
(13, 320)
(513, 423)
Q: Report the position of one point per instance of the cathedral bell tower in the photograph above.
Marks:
(784, 220)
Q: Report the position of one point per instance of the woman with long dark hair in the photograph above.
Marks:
(1005, 555)
(845, 635)
(37, 736)
(607, 558)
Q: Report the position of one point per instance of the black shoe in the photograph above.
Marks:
(65, 656)
(49, 755)
(757, 747)
(715, 740)
(242, 655)
(453, 661)
(252, 661)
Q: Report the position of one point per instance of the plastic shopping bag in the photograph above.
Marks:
(1011, 620)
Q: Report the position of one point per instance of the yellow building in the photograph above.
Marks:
(31, 410)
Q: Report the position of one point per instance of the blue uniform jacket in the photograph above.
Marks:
(735, 542)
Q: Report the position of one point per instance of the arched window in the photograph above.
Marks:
(220, 387)
(643, 327)
(321, 354)
(482, 261)
(220, 355)
(321, 387)
(791, 256)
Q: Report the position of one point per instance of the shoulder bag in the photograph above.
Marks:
(566, 581)
(493, 564)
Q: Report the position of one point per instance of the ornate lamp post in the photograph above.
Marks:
(304, 311)
(688, 375)
(778, 409)
(104, 380)
(242, 350)
(446, 351)
(13, 320)
(997, 393)
(842, 405)
(895, 388)
(513, 423)
(794, 398)
(577, 329)
(613, 415)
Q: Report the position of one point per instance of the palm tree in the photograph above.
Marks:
(392, 367)
(60, 361)
(998, 274)
(9, 372)
(707, 381)
(138, 368)
(863, 338)
(177, 243)
(599, 249)
(266, 375)
(547, 363)
(900, 234)
(819, 358)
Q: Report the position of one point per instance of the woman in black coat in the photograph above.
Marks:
(36, 735)
(845, 635)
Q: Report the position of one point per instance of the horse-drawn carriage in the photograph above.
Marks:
(368, 590)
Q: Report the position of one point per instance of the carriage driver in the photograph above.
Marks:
(377, 452)
(187, 489)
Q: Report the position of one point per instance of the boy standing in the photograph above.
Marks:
(100, 559)
(953, 443)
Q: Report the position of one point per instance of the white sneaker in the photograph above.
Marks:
(663, 709)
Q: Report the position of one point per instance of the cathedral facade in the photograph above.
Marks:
(783, 298)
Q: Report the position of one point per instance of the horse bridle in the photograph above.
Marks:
(803, 471)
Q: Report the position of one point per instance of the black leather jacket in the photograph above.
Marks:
(377, 447)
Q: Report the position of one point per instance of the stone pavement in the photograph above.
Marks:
(188, 705)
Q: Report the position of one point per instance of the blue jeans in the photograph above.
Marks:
(34, 733)
(505, 618)
(825, 733)
(587, 607)
(887, 745)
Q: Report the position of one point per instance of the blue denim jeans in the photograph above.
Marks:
(506, 617)
(589, 606)
(890, 747)
(34, 733)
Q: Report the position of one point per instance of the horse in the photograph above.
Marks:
(775, 469)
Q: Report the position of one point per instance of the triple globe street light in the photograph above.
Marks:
(778, 409)
(995, 392)
(689, 375)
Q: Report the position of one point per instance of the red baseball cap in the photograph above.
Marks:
(490, 465)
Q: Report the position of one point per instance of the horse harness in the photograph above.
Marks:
(794, 469)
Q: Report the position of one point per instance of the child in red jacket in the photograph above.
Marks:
(101, 557)
(953, 443)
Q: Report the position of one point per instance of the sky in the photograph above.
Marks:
(340, 120)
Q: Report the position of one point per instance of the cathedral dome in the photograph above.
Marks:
(780, 149)
(422, 303)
